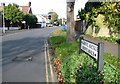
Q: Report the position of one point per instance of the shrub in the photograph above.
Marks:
(81, 68)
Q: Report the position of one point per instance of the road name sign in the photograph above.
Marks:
(96, 51)
(89, 48)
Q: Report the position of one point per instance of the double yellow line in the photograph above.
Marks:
(47, 60)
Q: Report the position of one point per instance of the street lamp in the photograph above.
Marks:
(3, 5)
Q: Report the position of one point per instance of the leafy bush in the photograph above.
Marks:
(87, 75)
(110, 74)
(64, 50)
(81, 68)
(111, 59)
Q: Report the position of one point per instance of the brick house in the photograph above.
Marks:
(26, 9)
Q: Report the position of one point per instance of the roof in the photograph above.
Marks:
(26, 9)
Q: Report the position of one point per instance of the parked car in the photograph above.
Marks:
(50, 25)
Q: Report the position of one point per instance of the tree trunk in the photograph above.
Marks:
(70, 22)
(9, 25)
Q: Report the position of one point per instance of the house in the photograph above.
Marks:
(42, 20)
(26, 9)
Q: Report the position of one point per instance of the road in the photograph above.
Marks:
(17, 49)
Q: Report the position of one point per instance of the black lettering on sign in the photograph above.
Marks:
(89, 48)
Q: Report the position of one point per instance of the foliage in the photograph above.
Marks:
(13, 13)
(54, 17)
(30, 19)
(110, 74)
(60, 21)
(82, 14)
(111, 39)
(112, 16)
(0, 12)
(112, 59)
(111, 11)
(55, 40)
(81, 68)
(91, 11)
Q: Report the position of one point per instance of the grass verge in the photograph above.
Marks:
(80, 68)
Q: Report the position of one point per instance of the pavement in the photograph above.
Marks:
(109, 47)
(7, 32)
(24, 56)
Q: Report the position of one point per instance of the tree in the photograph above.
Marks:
(82, 14)
(54, 17)
(70, 23)
(111, 11)
(60, 21)
(30, 19)
(112, 16)
(13, 14)
(90, 13)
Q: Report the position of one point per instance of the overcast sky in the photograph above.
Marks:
(44, 6)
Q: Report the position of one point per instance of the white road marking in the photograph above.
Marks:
(51, 70)
(46, 66)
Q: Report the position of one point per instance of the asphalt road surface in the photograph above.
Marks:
(23, 56)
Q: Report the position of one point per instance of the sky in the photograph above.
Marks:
(44, 6)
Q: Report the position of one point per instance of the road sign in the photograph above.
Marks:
(90, 48)
(96, 51)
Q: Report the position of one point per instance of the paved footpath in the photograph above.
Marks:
(109, 47)
(11, 32)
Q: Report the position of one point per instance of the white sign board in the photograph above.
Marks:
(90, 48)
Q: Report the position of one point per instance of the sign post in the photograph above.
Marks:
(3, 4)
(96, 51)
(100, 56)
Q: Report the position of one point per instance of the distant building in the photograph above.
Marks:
(42, 20)
(26, 9)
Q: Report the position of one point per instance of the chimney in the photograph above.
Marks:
(29, 4)
(2, 4)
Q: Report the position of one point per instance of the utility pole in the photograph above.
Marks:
(3, 5)
(70, 21)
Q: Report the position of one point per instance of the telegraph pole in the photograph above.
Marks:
(3, 5)
(70, 21)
